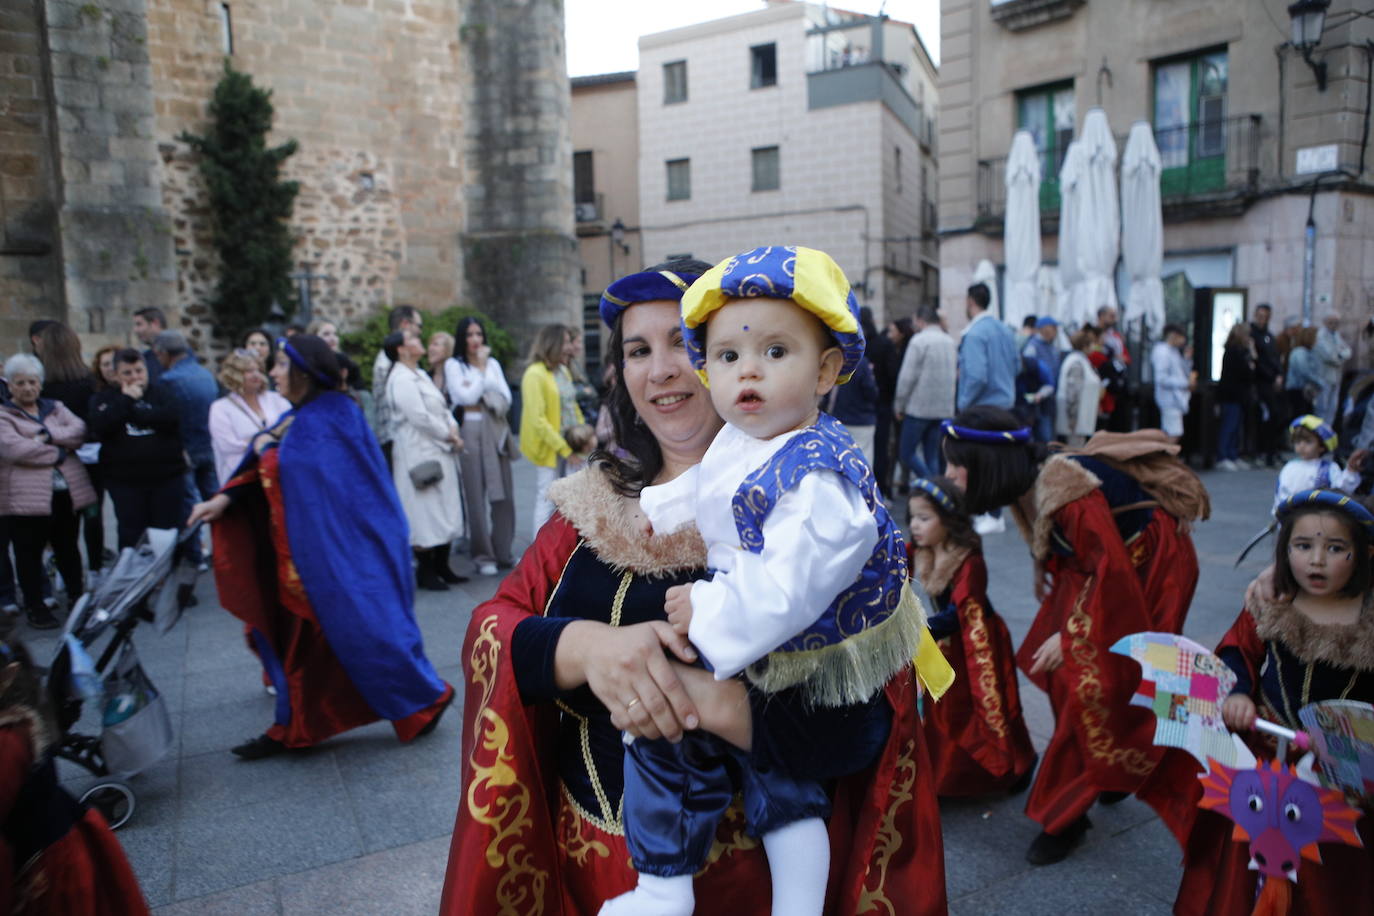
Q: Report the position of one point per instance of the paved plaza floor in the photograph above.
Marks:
(361, 824)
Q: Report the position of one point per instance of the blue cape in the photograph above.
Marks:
(351, 546)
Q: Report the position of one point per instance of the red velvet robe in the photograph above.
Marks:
(84, 873)
(976, 734)
(1217, 880)
(1103, 590)
(519, 848)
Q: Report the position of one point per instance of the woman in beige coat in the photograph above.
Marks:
(424, 463)
(43, 486)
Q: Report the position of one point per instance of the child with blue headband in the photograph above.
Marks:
(809, 585)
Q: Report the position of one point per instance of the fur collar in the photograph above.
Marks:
(1343, 645)
(935, 571)
(1059, 483)
(40, 738)
(610, 524)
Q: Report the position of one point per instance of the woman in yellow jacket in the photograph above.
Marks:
(548, 408)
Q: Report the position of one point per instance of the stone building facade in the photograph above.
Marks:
(1251, 144)
(395, 137)
(795, 124)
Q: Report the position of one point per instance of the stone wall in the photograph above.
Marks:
(116, 243)
(30, 259)
(371, 91)
(521, 259)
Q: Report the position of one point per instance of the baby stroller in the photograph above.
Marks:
(136, 728)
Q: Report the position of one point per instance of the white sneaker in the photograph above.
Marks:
(10, 609)
(987, 524)
(1226, 464)
(487, 569)
(271, 691)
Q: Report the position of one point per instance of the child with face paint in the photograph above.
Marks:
(1315, 644)
(809, 582)
(1314, 467)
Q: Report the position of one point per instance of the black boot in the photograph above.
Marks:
(426, 576)
(1049, 848)
(41, 617)
(441, 555)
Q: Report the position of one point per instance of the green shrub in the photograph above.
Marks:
(365, 343)
(250, 204)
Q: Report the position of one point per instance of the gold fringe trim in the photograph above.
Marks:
(854, 670)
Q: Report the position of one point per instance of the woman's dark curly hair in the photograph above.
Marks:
(997, 473)
(644, 457)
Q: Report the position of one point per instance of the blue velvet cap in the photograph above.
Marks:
(1329, 499)
(645, 286)
(1318, 427)
(808, 277)
(933, 490)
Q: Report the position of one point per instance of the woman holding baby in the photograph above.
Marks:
(575, 648)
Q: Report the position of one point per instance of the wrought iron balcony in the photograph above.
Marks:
(1210, 167)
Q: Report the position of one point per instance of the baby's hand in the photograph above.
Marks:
(678, 604)
(1238, 712)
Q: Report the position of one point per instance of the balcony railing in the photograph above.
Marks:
(1209, 164)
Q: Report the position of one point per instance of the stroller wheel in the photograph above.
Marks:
(114, 800)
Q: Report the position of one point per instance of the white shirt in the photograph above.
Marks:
(1299, 474)
(816, 540)
(233, 426)
(466, 385)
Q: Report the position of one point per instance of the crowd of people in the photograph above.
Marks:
(703, 664)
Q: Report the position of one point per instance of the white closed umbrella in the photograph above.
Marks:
(986, 274)
(1070, 175)
(1021, 229)
(1142, 230)
(1097, 222)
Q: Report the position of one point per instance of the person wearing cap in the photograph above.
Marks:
(311, 554)
(570, 654)
(1042, 348)
(1315, 466)
(808, 586)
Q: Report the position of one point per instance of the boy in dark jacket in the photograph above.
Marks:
(141, 456)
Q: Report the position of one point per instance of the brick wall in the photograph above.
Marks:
(30, 265)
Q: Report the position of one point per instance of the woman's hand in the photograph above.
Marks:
(627, 670)
(1049, 656)
(724, 705)
(1261, 592)
(1238, 712)
(209, 511)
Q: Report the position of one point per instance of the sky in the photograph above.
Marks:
(603, 35)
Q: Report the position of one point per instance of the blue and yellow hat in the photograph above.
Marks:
(808, 277)
(1318, 427)
(645, 286)
(1329, 499)
(933, 490)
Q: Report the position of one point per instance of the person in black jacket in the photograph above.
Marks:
(1235, 391)
(1270, 419)
(141, 457)
(882, 355)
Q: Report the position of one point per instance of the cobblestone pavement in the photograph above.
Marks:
(361, 824)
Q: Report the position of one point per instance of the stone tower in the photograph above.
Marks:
(520, 255)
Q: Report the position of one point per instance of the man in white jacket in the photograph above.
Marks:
(1332, 352)
(1173, 383)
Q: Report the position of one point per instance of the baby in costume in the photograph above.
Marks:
(809, 580)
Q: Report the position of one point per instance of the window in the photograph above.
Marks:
(1048, 113)
(766, 168)
(584, 188)
(679, 179)
(897, 156)
(227, 25)
(1190, 122)
(763, 66)
(675, 82)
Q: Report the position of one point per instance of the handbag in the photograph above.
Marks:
(426, 474)
(136, 727)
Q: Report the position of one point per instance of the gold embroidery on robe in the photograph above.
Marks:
(495, 797)
(985, 672)
(889, 838)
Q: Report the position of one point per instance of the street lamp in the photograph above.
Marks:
(618, 236)
(1309, 18)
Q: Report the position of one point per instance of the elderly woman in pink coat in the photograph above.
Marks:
(43, 486)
